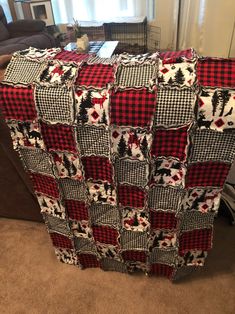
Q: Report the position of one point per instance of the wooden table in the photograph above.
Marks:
(105, 51)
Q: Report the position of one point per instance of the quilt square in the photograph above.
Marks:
(102, 192)
(88, 260)
(25, 134)
(133, 240)
(201, 199)
(199, 239)
(137, 256)
(58, 73)
(165, 198)
(58, 137)
(131, 142)
(132, 172)
(73, 189)
(61, 241)
(163, 256)
(37, 160)
(55, 104)
(186, 54)
(105, 234)
(72, 56)
(92, 106)
(135, 75)
(97, 168)
(95, 75)
(163, 239)
(211, 145)
(207, 174)
(196, 220)
(133, 107)
(93, 141)
(193, 258)
(67, 165)
(44, 184)
(33, 53)
(57, 225)
(113, 265)
(170, 142)
(216, 109)
(84, 245)
(167, 171)
(131, 196)
(81, 229)
(181, 74)
(162, 270)
(108, 251)
(216, 72)
(104, 214)
(77, 210)
(163, 220)
(174, 107)
(135, 220)
(17, 103)
(51, 206)
(136, 266)
(66, 256)
(22, 72)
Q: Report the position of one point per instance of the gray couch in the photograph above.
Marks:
(22, 34)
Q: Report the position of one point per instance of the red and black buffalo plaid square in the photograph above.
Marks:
(76, 210)
(172, 56)
(96, 75)
(133, 107)
(65, 55)
(17, 103)
(137, 256)
(88, 260)
(44, 184)
(170, 142)
(60, 240)
(198, 239)
(58, 137)
(97, 168)
(207, 174)
(216, 72)
(162, 270)
(131, 196)
(161, 220)
(105, 234)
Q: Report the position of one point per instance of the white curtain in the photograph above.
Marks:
(97, 10)
(6, 9)
(208, 26)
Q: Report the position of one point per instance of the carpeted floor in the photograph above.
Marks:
(33, 281)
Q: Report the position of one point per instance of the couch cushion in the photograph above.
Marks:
(4, 34)
(12, 48)
(12, 41)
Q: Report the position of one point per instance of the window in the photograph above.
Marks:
(6, 9)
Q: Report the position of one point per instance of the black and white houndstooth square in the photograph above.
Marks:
(22, 71)
(196, 220)
(165, 198)
(93, 140)
(113, 265)
(56, 224)
(36, 159)
(54, 103)
(212, 145)
(132, 171)
(84, 245)
(131, 240)
(73, 189)
(135, 76)
(174, 107)
(104, 214)
(163, 256)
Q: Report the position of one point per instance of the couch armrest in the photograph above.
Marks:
(25, 27)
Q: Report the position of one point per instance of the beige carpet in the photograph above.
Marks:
(33, 281)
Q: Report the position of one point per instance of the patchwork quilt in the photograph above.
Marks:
(127, 155)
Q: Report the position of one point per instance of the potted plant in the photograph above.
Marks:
(82, 39)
